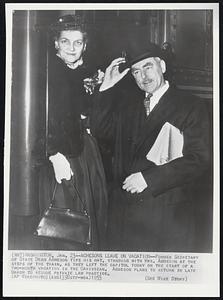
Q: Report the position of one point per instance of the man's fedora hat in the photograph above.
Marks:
(139, 51)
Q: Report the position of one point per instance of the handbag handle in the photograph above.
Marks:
(75, 189)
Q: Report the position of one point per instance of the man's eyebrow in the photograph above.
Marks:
(134, 69)
(147, 64)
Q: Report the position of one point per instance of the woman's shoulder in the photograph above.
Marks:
(56, 64)
(89, 66)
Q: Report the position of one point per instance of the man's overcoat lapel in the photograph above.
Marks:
(154, 122)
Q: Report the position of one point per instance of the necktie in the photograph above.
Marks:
(147, 103)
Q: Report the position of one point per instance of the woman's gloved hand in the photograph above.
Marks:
(61, 166)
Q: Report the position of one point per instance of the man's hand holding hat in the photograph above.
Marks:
(112, 74)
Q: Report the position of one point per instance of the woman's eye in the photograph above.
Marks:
(64, 41)
(79, 43)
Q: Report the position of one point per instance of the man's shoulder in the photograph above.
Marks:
(184, 98)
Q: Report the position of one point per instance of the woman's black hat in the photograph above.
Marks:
(69, 22)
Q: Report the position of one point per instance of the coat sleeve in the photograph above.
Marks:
(195, 159)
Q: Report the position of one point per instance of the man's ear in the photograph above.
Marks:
(163, 66)
(56, 45)
(85, 45)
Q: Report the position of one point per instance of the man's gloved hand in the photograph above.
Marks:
(135, 183)
(61, 166)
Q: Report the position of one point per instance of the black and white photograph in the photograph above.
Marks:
(111, 144)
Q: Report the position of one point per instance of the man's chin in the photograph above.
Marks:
(148, 88)
(149, 91)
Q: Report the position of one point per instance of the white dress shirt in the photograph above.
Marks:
(157, 95)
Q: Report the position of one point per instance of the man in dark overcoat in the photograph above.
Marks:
(161, 152)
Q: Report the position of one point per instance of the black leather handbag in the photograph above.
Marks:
(65, 224)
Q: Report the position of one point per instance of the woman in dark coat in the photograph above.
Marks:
(71, 149)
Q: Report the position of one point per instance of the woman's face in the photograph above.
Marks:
(70, 45)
